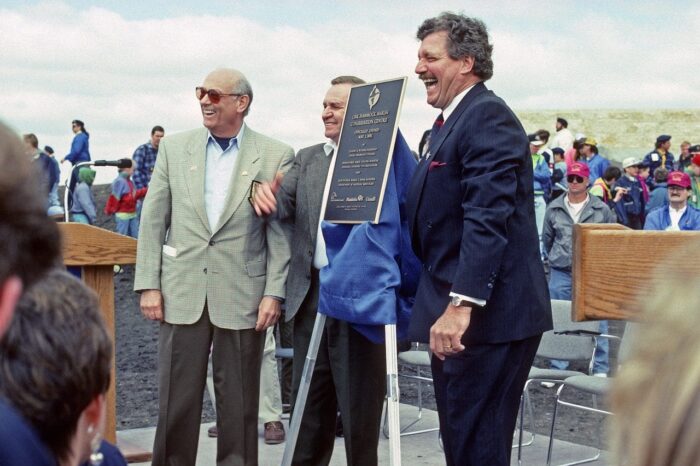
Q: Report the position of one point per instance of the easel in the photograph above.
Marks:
(96, 251)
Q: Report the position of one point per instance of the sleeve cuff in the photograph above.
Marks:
(478, 302)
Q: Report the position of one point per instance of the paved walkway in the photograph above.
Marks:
(421, 449)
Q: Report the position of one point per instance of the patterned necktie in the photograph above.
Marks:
(439, 121)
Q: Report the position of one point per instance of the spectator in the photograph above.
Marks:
(55, 207)
(83, 209)
(55, 363)
(678, 215)
(543, 134)
(79, 150)
(562, 213)
(122, 202)
(542, 182)
(563, 137)
(596, 162)
(42, 162)
(685, 157)
(659, 196)
(572, 155)
(660, 156)
(656, 396)
(145, 159)
(632, 210)
(607, 190)
(30, 245)
(558, 173)
(646, 179)
(695, 178)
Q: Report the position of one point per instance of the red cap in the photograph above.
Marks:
(679, 179)
(578, 169)
(696, 160)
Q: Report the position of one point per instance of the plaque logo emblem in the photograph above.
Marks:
(374, 97)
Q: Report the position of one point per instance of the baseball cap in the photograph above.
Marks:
(663, 138)
(535, 139)
(696, 160)
(694, 149)
(630, 162)
(578, 169)
(48, 149)
(558, 150)
(590, 142)
(678, 179)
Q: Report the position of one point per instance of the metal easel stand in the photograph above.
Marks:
(392, 392)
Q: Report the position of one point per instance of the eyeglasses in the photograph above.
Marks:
(214, 95)
(572, 178)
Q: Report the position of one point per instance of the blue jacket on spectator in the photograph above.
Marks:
(542, 176)
(660, 219)
(597, 165)
(657, 198)
(79, 149)
(633, 201)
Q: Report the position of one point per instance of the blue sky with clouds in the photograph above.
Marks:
(124, 66)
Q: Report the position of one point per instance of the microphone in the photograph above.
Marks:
(121, 163)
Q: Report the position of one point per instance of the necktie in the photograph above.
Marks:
(439, 121)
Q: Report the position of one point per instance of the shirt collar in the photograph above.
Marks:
(329, 147)
(238, 137)
(447, 111)
(678, 211)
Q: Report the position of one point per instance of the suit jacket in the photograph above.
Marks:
(19, 443)
(299, 201)
(230, 266)
(472, 220)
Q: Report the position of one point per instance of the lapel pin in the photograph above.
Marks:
(193, 168)
(244, 173)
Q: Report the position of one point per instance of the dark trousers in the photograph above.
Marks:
(350, 375)
(183, 353)
(478, 394)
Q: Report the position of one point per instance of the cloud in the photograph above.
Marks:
(123, 75)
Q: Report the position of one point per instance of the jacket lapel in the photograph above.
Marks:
(195, 173)
(244, 172)
(318, 172)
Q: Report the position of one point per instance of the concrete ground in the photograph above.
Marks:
(420, 449)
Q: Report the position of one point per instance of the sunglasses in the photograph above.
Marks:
(214, 95)
(572, 178)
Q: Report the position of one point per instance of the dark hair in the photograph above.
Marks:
(543, 135)
(660, 174)
(157, 128)
(80, 125)
(562, 122)
(467, 37)
(29, 241)
(612, 173)
(55, 357)
(354, 80)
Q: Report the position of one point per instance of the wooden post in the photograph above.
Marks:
(614, 267)
(97, 251)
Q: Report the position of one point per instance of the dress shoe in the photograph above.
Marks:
(213, 432)
(274, 433)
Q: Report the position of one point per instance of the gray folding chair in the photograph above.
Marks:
(564, 347)
(597, 387)
(420, 360)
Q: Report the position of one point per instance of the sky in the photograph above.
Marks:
(124, 66)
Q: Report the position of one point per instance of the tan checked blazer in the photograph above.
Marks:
(232, 265)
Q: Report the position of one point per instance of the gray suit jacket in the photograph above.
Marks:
(229, 266)
(299, 200)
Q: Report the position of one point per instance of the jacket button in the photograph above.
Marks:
(490, 285)
(212, 242)
(311, 253)
(205, 270)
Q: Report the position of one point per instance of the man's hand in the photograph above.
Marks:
(264, 201)
(619, 194)
(152, 305)
(446, 333)
(269, 312)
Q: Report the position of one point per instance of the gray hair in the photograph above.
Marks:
(243, 87)
(467, 37)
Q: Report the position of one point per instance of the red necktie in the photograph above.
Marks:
(439, 121)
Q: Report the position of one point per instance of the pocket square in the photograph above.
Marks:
(434, 164)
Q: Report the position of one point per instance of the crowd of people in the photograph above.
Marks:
(229, 229)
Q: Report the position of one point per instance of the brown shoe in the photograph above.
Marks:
(274, 432)
(213, 432)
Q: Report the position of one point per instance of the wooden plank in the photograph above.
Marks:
(133, 453)
(89, 245)
(100, 279)
(614, 267)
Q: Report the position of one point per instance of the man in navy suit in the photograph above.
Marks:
(482, 300)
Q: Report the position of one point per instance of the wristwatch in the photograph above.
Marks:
(459, 302)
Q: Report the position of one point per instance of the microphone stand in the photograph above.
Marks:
(66, 191)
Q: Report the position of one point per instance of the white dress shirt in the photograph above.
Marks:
(217, 179)
(675, 217)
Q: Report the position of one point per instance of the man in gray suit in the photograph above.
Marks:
(212, 272)
(350, 370)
